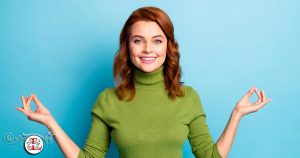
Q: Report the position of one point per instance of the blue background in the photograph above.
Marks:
(63, 51)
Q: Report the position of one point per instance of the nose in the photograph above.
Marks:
(147, 48)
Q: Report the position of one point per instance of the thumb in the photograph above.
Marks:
(36, 101)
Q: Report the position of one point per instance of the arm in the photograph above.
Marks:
(98, 139)
(226, 139)
(200, 139)
(66, 145)
(199, 136)
(43, 116)
(242, 108)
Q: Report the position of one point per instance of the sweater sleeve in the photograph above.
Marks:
(98, 140)
(199, 137)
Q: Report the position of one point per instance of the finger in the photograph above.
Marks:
(29, 100)
(26, 100)
(263, 95)
(258, 95)
(23, 100)
(250, 92)
(36, 101)
(24, 103)
(30, 115)
(262, 104)
(22, 110)
(266, 101)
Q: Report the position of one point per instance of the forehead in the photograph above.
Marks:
(146, 29)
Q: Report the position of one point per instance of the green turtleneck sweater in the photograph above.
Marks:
(151, 125)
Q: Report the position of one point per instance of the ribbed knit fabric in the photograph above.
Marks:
(151, 125)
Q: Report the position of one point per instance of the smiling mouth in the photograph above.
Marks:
(147, 60)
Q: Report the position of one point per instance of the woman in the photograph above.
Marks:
(150, 113)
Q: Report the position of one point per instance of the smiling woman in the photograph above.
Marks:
(150, 113)
(148, 33)
(147, 46)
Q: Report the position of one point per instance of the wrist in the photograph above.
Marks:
(50, 123)
(236, 114)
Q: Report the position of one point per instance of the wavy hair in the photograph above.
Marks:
(123, 67)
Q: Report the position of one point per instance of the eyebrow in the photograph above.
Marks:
(143, 37)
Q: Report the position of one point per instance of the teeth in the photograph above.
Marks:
(148, 58)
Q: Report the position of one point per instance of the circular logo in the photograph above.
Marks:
(33, 144)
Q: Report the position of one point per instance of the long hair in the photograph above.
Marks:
(123, 67)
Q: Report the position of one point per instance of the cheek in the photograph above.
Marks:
(132, 57)
(162, 52)
(133, 53)
(133, 50)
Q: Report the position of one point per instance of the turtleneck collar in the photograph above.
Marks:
(149, 79)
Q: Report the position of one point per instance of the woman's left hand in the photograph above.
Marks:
(244, 106)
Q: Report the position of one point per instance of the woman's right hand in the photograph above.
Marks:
(41, 114)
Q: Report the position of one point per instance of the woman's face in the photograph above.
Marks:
(147, 46)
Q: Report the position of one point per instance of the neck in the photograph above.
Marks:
(149, 79)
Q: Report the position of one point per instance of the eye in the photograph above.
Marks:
(157, 41)
(137, 41)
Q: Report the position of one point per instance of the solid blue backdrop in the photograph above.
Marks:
(63, 51)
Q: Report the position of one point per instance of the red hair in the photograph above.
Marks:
(123, 67)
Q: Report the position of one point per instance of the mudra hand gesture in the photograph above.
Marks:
(41, 114)
(244, 106)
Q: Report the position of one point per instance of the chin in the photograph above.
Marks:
(148, 69)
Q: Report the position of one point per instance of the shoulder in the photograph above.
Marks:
(193, 99)
(110, 90)
(104, 101)
(189, 91)
(106, 95)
